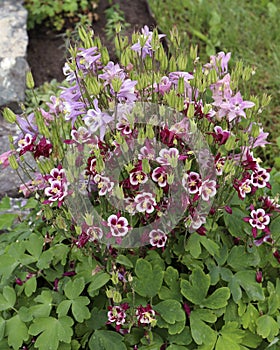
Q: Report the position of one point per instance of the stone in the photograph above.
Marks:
(13, 47)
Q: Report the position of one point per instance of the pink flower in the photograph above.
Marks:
(243, 187)
(124, 126)
(192, 182)
(26, 144)
(159, 175)
(145, 315)
(163, 86)
(82, 135)
(208, 189)
(219, 163)
(117, 315)
(127, 91)
(145, 202)
(4, 158)
(260, 178)
(43, 148)
(168, 156)
(94, 233)
(104, 184)
(157, 238)
(259, 220)
(57, 191)
(137, 177)
(220, 135)
(147, 152)
(118, 225)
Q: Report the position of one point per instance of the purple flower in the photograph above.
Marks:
(43, 148)
(112, 71)
(127, 91)
(137, 177)
(220, 135)
(234, 107)
(4, 158)
(97, 120)
(220, 62)
(143, 47)
(27, 143)
(88, 59)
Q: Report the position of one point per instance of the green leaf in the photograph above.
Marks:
(201, 332)
(250, 317)
(6, 220)
(247, 280)
(184, 338)
(7, 265)
(173, 291)
(212, 247)
(8, 298)
(149, 279)
(35, 245)
(124, 260)
(230, 337)
(17, 332)
(2, 327)
(267, 327)
(79, 309)
(217, 299)
(50, 331)
(193, 245)
(30, 286)
(171, 311)
(231, 220)
(105, 340)
(44, 307)
(98, 281)
(74, 288)
(196, 290)
(5, 203)
(239, 258)
(63, 308)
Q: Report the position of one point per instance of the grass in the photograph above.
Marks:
(248, 29)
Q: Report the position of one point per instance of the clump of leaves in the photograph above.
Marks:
(55, 13)
(114, 18)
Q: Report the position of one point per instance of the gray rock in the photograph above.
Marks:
(13, 46)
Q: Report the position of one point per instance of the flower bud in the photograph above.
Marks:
(259, 276)
(13, 162)
(117, 297)
(9, 115)
(146, 166)
(29, 80)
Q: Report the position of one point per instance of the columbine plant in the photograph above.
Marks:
(150, 191)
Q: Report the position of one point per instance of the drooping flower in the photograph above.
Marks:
(220, 136)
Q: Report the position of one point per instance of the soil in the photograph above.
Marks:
(47, 52)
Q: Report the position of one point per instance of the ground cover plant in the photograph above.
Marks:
(152, 224)
(249, 29)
